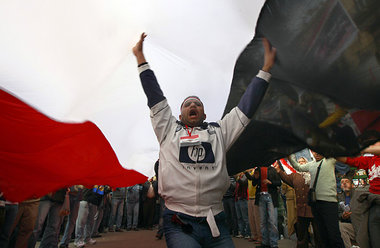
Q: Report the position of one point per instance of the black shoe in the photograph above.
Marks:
(96, 235)
(135, 229)
(63, 246)
(119, 230)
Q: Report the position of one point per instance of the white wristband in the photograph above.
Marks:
(264, 75)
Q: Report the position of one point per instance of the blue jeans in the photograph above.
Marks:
(74, 208)
(200, 236)
(132, 214)
(242, 217)
(117, 206)
(97, 220)
(85, 221)
(49, 210)
(10, 217)
(268, 220)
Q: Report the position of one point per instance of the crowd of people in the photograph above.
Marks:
(265, 204)
(262, 205)
(79, 214)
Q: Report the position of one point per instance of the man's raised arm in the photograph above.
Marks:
(148, 79)
(255, 91)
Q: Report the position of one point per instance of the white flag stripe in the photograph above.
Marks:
(72, 60)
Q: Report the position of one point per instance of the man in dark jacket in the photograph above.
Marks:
(267, 181)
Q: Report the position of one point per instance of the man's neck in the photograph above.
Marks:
(347, 192)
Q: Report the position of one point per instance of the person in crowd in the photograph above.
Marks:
(160, 228)
(229, 208)
(300, 181)
(281, 213)
(345, 225)
(253, 212)
(117, 206)
(371, 204)
(25, 221)
(8, 216)
(76, 196)
(149, 203)
(291, 207)
(193, 173)
(267, 181)
(325, 210)
(133, 202)
(86, 214)
(241, 206)
(50, 207)
(103, 227)
(98, 218)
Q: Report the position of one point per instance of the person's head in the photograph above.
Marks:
(317, 156)
(302, 160)
(192, 111)
(345, 184)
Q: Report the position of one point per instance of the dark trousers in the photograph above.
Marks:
(326, 216)
(231, 218)
(374, 225)
(148, 212)
(10, 212)
(303, 234)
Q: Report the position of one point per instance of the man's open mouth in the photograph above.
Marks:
(193, 113)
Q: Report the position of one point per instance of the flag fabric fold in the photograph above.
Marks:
(39, 155)
(325, 86)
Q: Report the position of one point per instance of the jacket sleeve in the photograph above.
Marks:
(340, 210)
(256, 181)
(160, 112)
(288, 179)
(150, 85)
(254, 93)
(299, 167)
(360, 162)
(274, 177)
(249, 176)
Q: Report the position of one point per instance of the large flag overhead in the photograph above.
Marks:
(325, 86)
(72, 62)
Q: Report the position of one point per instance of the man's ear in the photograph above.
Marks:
(180, 117)
(204, 116)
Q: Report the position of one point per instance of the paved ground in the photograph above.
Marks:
(147, 239)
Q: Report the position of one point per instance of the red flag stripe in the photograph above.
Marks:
(285, 163)
(39, 155)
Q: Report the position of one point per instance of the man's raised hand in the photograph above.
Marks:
(269, 55)
(138, 50)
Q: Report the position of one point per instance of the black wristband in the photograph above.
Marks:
(145, 63)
